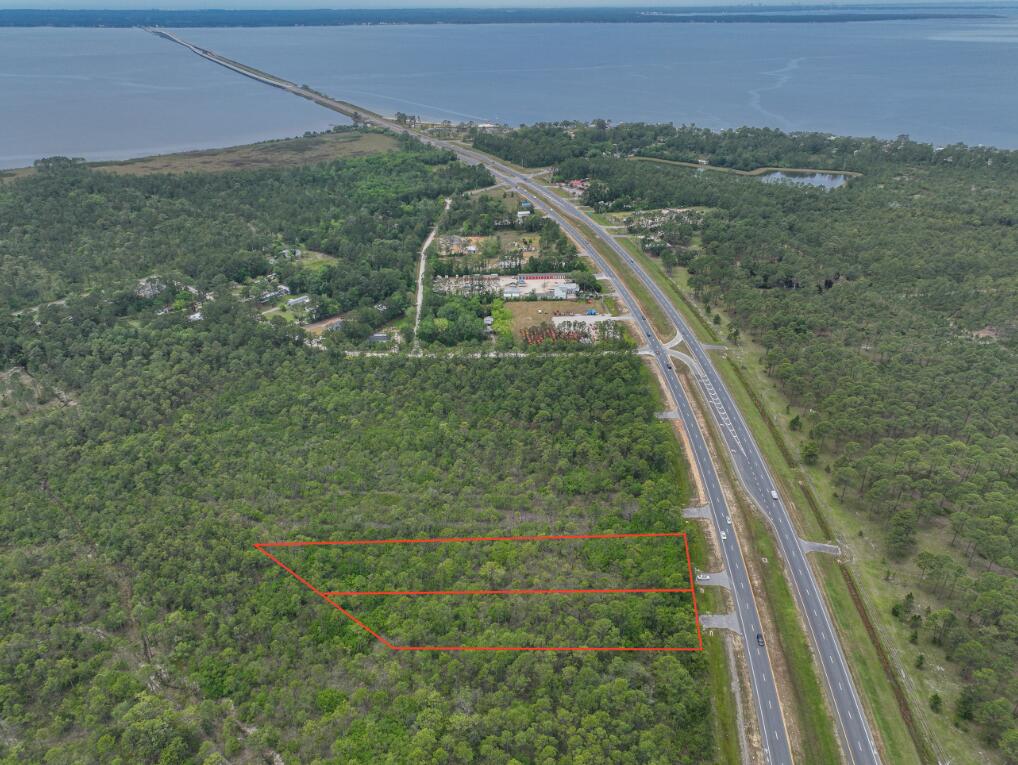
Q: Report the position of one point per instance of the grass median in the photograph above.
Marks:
(807, 704)
(651, 308)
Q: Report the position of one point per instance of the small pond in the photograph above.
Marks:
(809, 178)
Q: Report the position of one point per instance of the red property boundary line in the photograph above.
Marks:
(328, 596)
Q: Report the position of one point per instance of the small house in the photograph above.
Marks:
(298, 301)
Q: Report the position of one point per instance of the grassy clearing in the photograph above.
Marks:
(288, 152)
(869, 568)
(507, 238)
(315, 261)
(282, 312)
(530, 313)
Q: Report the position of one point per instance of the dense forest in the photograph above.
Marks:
(888, 310)
(69, 228)
(145, 452)
(744, 148)
(140, 623)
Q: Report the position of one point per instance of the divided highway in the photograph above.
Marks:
(852, 725)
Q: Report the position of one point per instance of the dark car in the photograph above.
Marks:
(759, 639)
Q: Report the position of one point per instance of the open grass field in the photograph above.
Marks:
(315, 261)
(287, 152)
(509, 199)
(530, 313)
(506, 238)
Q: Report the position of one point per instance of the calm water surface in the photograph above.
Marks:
(820, 180)
(104, 93)
(940, 81)
(119, 93)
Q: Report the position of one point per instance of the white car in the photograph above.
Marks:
(703, 577)
(724, 536)
(774, 495)
(729, 519)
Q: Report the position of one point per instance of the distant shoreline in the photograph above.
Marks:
(24, 18)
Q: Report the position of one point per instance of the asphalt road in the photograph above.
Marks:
(852, 724)
(774, 737)
(853, 728)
